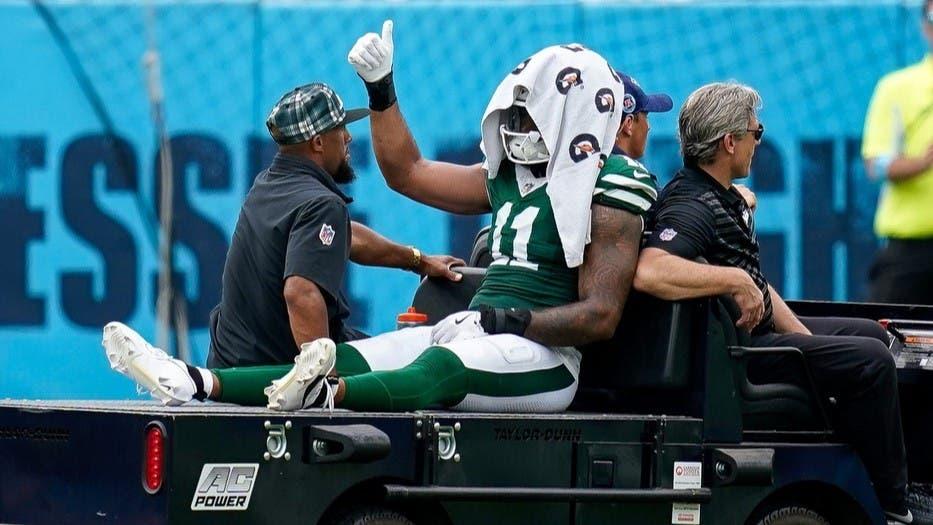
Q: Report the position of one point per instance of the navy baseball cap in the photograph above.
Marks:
(637, 101)
(307, 111)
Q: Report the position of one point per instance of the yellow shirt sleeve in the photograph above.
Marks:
(883, 123)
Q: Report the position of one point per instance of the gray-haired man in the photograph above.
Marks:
(700, 213)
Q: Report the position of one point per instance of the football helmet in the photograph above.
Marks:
(522, 146)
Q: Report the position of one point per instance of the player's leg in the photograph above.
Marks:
(513, 374)
(502, 373)
(247, 385)
(174, 382)
(389, 351)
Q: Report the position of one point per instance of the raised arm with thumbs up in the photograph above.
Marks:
(446, 186)
(371, 57)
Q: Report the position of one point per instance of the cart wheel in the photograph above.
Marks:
(793, 515)
(373, 516)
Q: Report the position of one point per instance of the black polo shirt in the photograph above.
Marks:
(294, 222)
(695, 216)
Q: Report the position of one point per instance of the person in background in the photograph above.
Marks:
(897, 147)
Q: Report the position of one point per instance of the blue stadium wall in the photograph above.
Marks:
(76, 205)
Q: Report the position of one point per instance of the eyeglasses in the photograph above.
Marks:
(757, 133)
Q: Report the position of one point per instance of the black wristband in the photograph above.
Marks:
(504, 320)
(381, 93)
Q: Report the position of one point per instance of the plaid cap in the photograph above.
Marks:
(307, 111)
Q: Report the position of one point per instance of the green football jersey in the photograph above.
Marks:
(528, 268)
(626, 183)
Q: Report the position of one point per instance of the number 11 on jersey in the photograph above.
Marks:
(521, 225)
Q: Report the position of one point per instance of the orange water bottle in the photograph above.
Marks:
(411, 318)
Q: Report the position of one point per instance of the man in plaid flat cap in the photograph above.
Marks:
(282, 280)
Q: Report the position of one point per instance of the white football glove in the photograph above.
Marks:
(371, 56)
(457, 327)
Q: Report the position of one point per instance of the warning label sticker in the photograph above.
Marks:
(686, 514)
(687, 474)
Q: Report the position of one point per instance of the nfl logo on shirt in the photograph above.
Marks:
(327, 234)
(667, 234)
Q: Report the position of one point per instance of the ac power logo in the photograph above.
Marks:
(225, 486)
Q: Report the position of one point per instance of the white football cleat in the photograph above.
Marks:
(164, 377)
(306, 385)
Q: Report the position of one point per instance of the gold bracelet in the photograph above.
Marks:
(415, 258)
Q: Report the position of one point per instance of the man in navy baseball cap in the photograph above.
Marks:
(636, 104)
(637, 101)
(621, 169)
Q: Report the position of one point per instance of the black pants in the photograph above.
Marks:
(903, 272)
(850, 361)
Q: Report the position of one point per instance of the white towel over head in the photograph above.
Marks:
(572, 94)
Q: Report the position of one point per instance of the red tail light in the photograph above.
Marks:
(154, 457)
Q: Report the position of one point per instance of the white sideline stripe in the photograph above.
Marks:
(620, 180)
(625, 196)
(554, 401)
